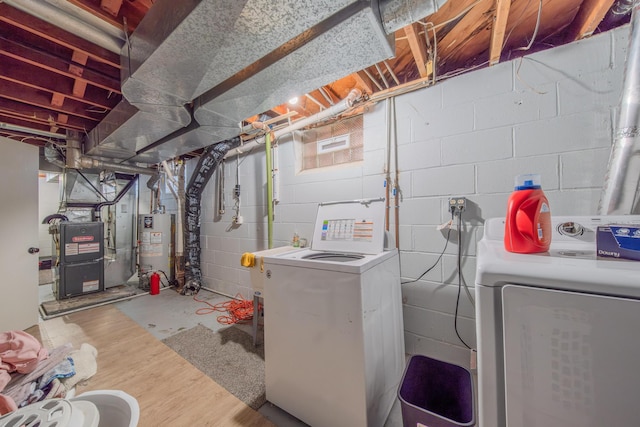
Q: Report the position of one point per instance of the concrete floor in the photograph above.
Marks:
(168, 313)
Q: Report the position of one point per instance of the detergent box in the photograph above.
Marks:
(618, 241)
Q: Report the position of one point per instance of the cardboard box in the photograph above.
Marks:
(618, 241)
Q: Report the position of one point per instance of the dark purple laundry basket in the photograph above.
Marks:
(436, 394)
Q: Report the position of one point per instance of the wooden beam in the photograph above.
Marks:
(133, 10)
(57, 99)
(54, 125)
(62, 119)
(41, 115)
(20, 93)
(44, 80)
(470, 36)
(499, 28)
(79, 86)
(591, 13)
(363, 81)
(418, 48)
(55, 65)
(54, 34)
(111, 6)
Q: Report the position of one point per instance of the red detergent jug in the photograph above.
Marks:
(528, 223)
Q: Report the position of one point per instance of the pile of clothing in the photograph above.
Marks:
(30, 373)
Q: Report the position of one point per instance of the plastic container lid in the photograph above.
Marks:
(530, 181)
(54, 413)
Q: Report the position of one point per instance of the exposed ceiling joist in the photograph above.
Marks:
(363, 81)
(589, 16)
(498, 30)
(49, 32)
(51, 63)
(50, 79)
(418, 47)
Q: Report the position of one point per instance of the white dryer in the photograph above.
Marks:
(557, 332)
(334, 343)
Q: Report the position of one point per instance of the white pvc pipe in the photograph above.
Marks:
(51, 14)
(340, 107)
(18, 128)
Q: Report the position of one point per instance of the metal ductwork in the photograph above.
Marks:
(76, 160)
(396, 14)
(127, 129)
(230, 60)
(620, 192)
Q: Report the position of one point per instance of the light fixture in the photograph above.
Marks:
(294, 100)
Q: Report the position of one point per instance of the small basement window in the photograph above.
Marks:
(334, 144)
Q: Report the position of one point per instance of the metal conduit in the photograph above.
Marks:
(23, 129)
(620, 191)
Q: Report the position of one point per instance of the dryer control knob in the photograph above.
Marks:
(571, 229)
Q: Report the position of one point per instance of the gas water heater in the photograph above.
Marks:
(156, 242)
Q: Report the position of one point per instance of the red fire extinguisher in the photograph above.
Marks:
(154, 284)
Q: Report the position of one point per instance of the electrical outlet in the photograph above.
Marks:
(457, 204)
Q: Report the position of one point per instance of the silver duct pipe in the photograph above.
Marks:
(619, 195)
(53, 157)
(396, 14)
(76, 160)
(83, 27)
(340, 107)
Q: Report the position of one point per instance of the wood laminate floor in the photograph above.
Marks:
(169, 390)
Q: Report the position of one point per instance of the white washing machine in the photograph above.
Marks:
(334, 343)
(557, 332)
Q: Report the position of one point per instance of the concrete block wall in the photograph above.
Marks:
(552, 113)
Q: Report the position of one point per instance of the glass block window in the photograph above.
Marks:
(333, 144)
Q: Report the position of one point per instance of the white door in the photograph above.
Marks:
(18, 233)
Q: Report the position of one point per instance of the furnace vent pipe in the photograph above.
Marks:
(53, 156)
(339, 108)
(619, 195)
(396, 14)
(76, 160)
(86, 27)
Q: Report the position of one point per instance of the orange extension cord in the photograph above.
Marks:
(238, 310)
